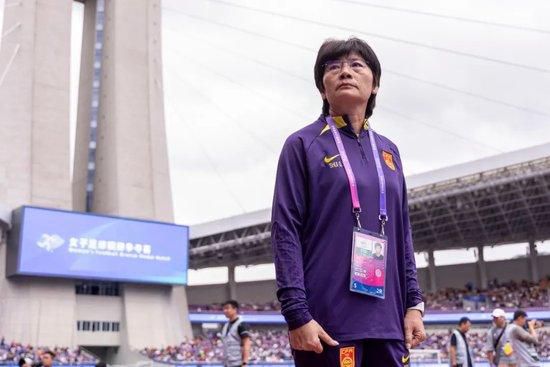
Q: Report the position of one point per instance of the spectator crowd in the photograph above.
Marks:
(273, 346)
(267, 346)
(12, 352)
(505, 295)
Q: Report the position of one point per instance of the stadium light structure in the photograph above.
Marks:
(506, 205)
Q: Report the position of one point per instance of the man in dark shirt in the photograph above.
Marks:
(459, 351)
(235, 337)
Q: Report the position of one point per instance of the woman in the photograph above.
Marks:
(339, 190)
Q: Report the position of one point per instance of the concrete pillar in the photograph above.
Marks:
(131, 171)
(35, 101)
(431, 270)
(131, 160)
(533, 261)
(231, 284)
(34, 157)
(482, 268)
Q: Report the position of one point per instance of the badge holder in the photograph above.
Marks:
(368, 261)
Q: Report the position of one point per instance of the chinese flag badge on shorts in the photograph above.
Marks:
(347, 357)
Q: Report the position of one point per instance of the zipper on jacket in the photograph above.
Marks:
(363, 155)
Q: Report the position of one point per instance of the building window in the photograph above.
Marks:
(106, 326)
(98, 289)
(95, 326)
(98, 326)
(86, 325)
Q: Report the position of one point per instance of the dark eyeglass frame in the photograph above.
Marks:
(364, 63)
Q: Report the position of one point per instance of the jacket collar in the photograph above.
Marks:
(342, 123)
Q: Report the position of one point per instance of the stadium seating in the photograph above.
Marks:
(269, 346)
(504, 295)
(509, 295)
(273, 346)
(11, 352)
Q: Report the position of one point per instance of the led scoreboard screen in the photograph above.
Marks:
(58, 243)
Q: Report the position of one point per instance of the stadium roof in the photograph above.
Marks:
(496, 200)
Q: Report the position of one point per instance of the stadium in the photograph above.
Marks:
(129, 215)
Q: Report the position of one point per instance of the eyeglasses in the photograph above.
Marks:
(336, 66)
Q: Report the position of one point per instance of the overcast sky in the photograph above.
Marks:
(238, 78)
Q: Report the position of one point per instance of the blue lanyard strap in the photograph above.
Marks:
(383, 215)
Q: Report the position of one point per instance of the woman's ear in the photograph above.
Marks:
(375, 90)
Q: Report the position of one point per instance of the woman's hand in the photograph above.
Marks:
(308, 338)
(414, 329)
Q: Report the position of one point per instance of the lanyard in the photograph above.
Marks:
(383, 213)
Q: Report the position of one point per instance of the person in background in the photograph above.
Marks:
(235, 337)
(460, 352)
(25, 362)
(498, 347)
(47, 358)
(523, 341)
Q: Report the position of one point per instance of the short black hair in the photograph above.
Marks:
(378, 244)
(519, 313)
(463, 320)
(52, 354)
(21, 362)
(333, 49)
(232, 303)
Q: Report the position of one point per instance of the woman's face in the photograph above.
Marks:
(348, 83)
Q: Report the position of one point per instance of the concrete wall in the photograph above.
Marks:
(206, 294)
(98, 308)
(447, 276)
(261, 291)
(155, 315)
(34, 157)
(34, 113)
(37, 311)
(132, 173)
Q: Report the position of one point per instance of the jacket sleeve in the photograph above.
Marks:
(414, 294)
(288, 212)
(524, 336)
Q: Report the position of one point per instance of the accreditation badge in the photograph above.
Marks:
(368, 263)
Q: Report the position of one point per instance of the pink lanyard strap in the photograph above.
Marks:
(383, 215)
